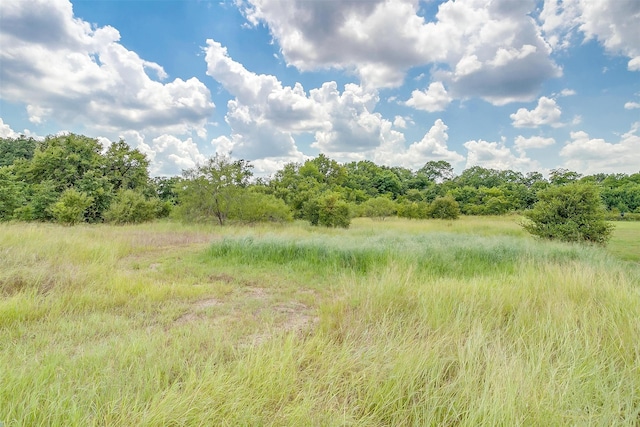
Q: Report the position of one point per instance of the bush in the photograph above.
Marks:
(413, 210)
(572, 212)
(71, 207)
(328, 210)
(378, 207)
(251, 206)
(131, 207)
(444, 208)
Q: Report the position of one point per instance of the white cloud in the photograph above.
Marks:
(593, 155)
(577, 119)
(494, 48)
(435, 98)
(168, 154)
(270, 165)
(496, 155)
(400, 122)
(522, 144)
(36, 113)
(614, 23)
(567, 92)
(6, 131)
(432, 146)
(631, 105)
(75, 73)
(546, 112)
(265, 116)
(353, 127)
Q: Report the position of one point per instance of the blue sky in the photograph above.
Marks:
(525, 85)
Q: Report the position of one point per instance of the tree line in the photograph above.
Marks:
(72, 178)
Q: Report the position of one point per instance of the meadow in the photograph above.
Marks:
(389, 323)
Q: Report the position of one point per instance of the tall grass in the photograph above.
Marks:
(394, 323)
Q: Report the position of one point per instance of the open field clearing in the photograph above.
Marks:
(393, 322)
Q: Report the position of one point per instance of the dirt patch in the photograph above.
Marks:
(167, 239)
(196, 310)
(225, 278)
(266, 319)
(292, 317)
(209, 302)
(298, 317)
(256, 293)
(13, 285)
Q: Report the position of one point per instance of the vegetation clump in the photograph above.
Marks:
(571, 212)
(444, 208)
(34, 175)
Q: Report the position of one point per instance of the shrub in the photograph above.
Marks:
(413, 210)
(572, 212)
(71, 207)
(328, 210)
(131, 207)
(444, 208)
(378, 207)
(251, 206)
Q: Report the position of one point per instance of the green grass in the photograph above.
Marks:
(391, 322)
(625, 242)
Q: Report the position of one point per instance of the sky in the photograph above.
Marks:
(527, 85)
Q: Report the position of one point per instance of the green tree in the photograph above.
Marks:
(477, 176)
(210, 190)
(126, 168)
(71, 207)
(436, 171)
(563, 176)
(252, 206)
(361, 176)
(12, 193)
(329, 210)
(572, 212)
(166, 188)
(41, 197)
(132, 207)
(444, 208)
(413, 210)
(65, 159)
(12, 149)
(387, 182)
(378, 207)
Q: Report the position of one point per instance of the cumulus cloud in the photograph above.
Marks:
(435, 98)
(522, 144)
(546, 112)
(432, 146)
(631, 105)
(6, 131)
(594, 155)
(75, 73)
(265, 116)
(169, 155)
(492, 50)
(353, 125)
(567, 92)
(496, 155)
(614, 23)
(400, 122)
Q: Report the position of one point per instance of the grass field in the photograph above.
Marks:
(389, 323)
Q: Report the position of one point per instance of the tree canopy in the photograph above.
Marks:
(113, 184)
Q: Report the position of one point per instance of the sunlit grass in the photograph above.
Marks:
(392, 322)
(625, 241)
